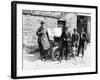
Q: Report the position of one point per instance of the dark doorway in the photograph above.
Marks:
(61, 24)
(81, 23)
(85, 23)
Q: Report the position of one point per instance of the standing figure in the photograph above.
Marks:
(75, 39)
(68, 43)
(43, 41)
(83, 38)
(65, 43)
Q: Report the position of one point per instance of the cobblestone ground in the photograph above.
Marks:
(32, 61)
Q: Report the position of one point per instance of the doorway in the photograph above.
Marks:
(61, 24)
(85, 23)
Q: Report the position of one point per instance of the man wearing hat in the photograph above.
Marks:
(65, 42)
(43, 40)
(75, 41)
(68, 46)
(83, 39)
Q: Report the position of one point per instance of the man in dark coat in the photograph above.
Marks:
(75, 38)
(65, 43)
(83, 39)
(43, 41)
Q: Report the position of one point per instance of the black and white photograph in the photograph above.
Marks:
(55, 39)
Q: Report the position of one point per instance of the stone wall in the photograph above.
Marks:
(71, 21)
(30, 26)
(31, 23)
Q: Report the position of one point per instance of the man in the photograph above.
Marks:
(43, 41)
(65, 43)
(83, 38)
(75, 38)
(68, 45)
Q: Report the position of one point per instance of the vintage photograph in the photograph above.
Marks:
(54, 39)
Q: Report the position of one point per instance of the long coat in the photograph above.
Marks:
(43, 37)
(66, 40)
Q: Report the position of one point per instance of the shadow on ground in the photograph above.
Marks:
(31, 53)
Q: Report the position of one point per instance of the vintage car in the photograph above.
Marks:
(55, 49)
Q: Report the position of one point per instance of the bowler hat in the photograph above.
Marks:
(42, 22)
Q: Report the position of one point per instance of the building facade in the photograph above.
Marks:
(54, 21)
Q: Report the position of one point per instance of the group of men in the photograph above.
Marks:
(76, 40)
(67, 41)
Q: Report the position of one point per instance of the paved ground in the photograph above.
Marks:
(32, 61)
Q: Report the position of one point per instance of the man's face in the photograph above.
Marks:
(66, 29)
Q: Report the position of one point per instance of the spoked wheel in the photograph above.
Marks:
(56, 53)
